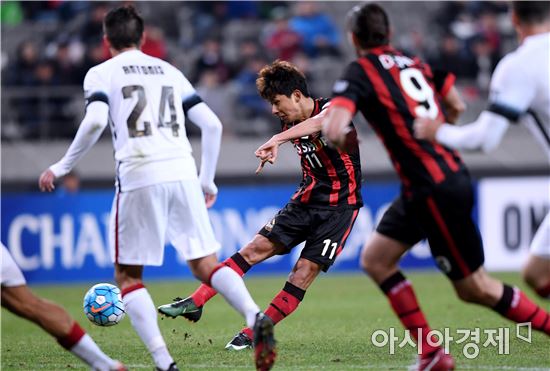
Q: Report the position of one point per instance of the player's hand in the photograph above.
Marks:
(426, 128)
(45, 182)
(210, 199)
(267, 152)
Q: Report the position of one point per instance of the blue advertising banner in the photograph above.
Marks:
(63, 237)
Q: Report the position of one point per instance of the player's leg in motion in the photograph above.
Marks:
(537, 270)
(231, 286)
(510, 302)
(285, 302)
(256, 251)
(58, 323)
(143, 315)
(454, 239)
(380, 258)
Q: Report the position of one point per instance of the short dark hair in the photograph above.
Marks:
(280, 77)
(123, 27)
(370, 25)
(530, 12)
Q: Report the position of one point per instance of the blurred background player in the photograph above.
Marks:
(520, 92)
(20, 300)
(158, 191)
(391, 89)
(321, 212)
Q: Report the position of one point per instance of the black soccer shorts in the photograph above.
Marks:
(325, 231)
(445, 218)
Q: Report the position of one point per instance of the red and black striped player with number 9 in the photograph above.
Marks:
(321, 212)
(391, 89)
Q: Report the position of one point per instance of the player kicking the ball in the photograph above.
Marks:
(158, 193)
(321, 212)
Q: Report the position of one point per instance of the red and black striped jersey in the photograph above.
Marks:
(330, 178)
(391, 90)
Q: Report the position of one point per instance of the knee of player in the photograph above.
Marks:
(304, 273)
(371, 265)
(257, 250)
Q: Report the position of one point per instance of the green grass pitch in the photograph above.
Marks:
(331, 330)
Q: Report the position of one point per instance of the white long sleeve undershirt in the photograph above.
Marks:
(89, 131)
(484, 134)
(211, 137)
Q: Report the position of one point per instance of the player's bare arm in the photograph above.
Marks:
(454, 105)
(269, 151)
(335, 125)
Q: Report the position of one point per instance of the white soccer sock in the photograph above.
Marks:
(143, 315)
(228, 283)
(87, 350)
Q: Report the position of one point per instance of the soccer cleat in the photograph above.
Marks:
(182, 307)
(437, 361)
(239, 342)
(172, 367)
(264, 343)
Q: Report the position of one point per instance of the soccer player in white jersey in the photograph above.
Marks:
(520, 92)
(158, 193)
(20, 300)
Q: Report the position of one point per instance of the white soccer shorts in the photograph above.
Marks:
(540, 246)
(144, 219)
(11, 274)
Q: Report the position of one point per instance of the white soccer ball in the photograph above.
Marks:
(103, 305)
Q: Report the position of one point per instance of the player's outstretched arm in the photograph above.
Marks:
(454, 105)
(89, 131)
(269, 151)
(484, 134)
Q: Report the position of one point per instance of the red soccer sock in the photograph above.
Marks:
(544, 291)
(516, 306)
(75, 334)
(286, 302)
(205, 292)
(403, 301)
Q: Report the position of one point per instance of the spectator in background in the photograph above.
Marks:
(93, 28)
(250, 102)
(94, 55)
(486, 61)
(21, 73)
(65, 69)
(216, 96)
(211, 59)
(50, 112)
(209, 18)
(154, 44)
(453, 58)
(282, 42)
(319, 34)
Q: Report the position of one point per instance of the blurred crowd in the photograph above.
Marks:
(220, 46)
